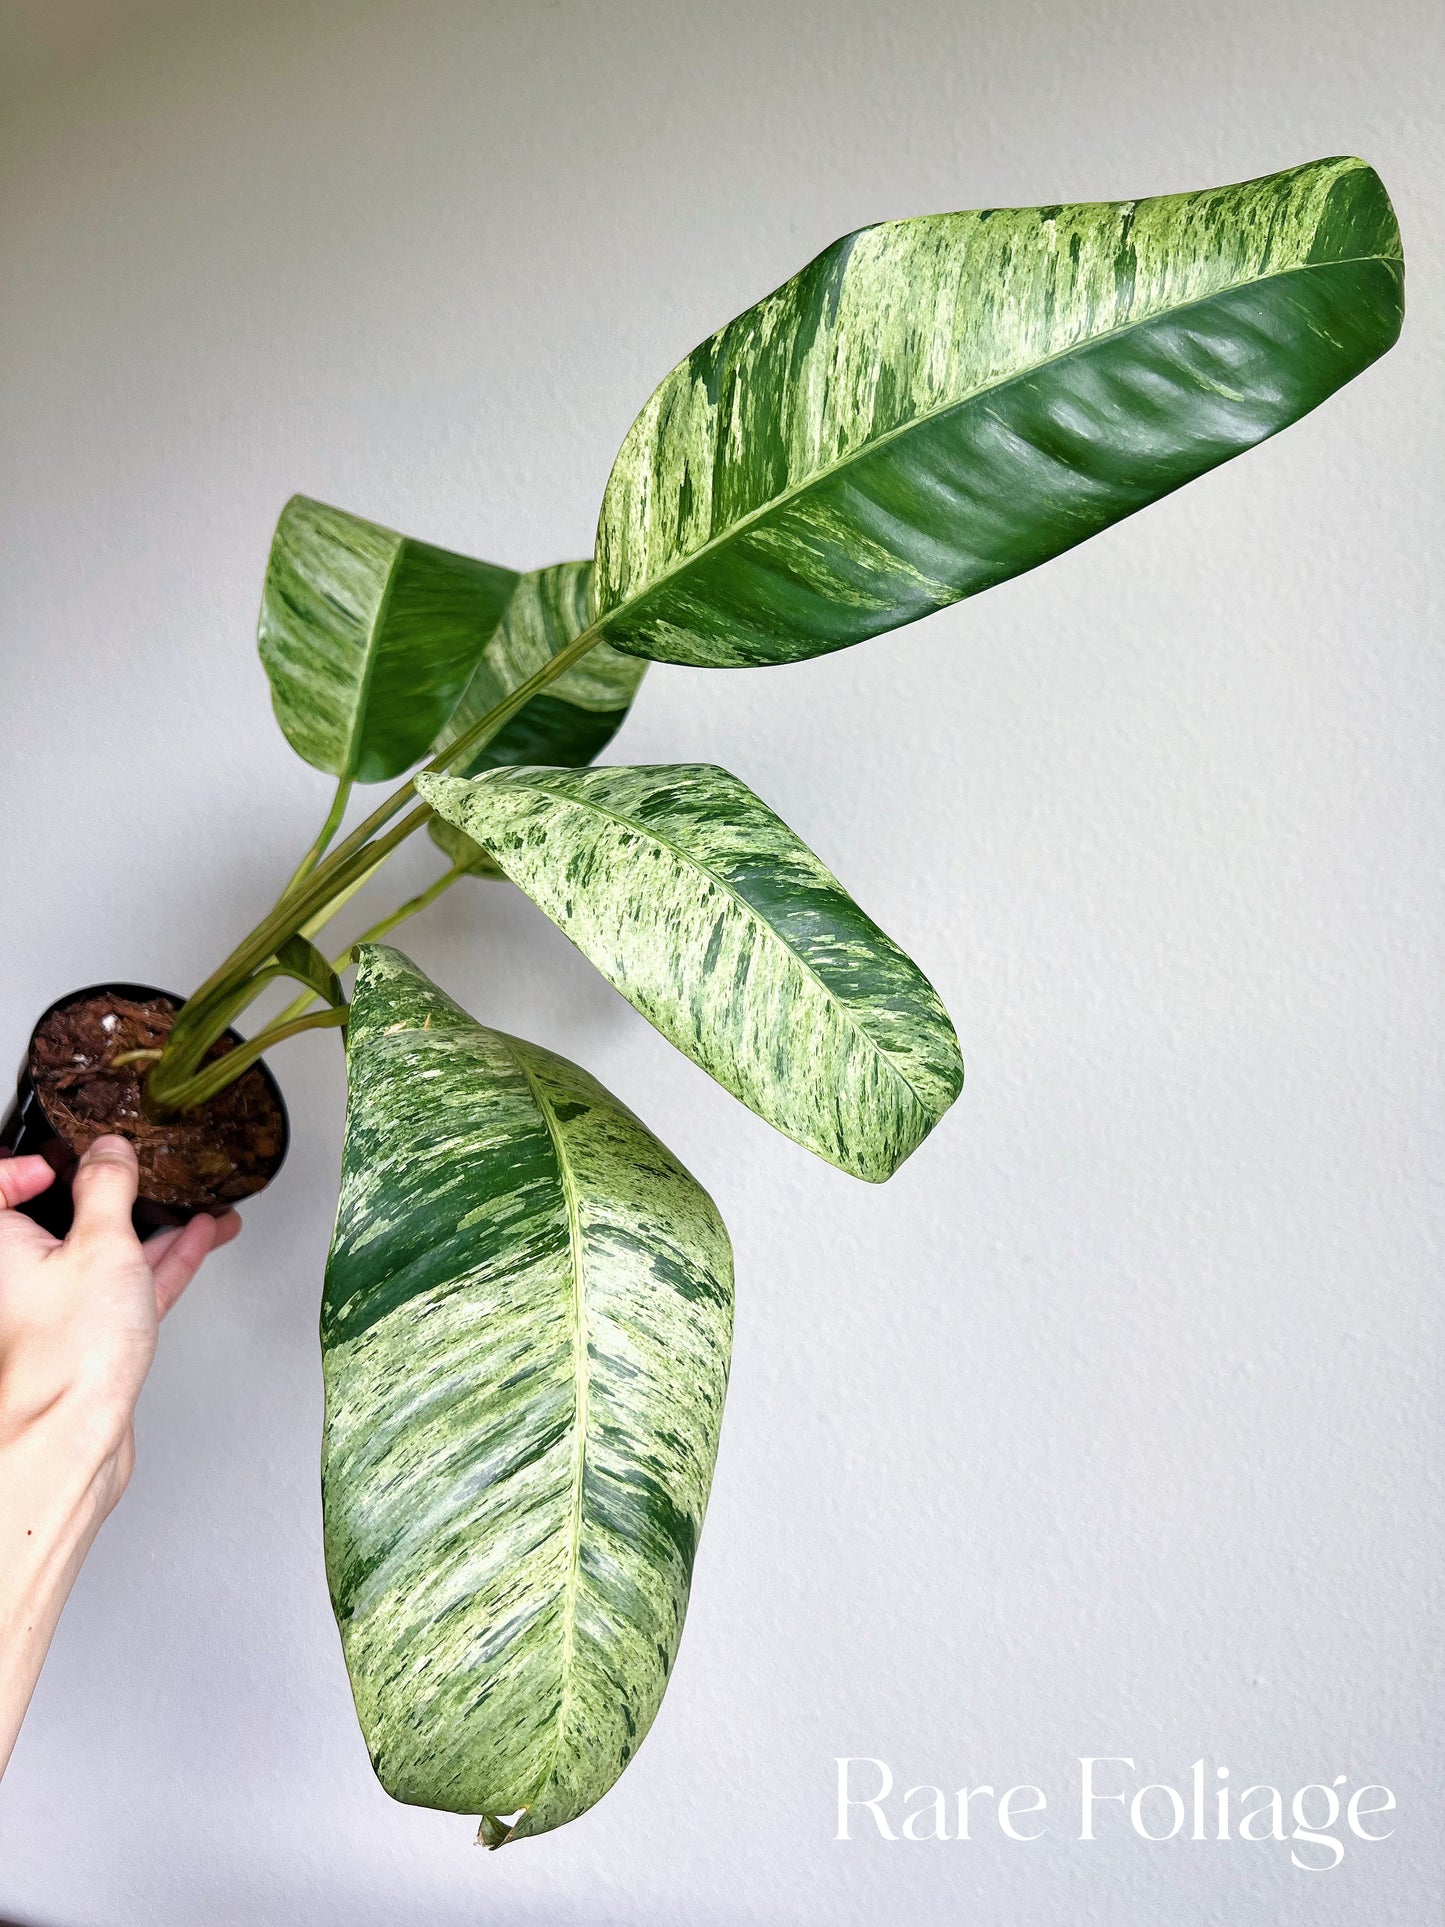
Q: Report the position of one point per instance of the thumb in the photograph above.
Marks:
(104, 1188)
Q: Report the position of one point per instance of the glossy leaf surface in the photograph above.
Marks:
(369, 638)
(727, 933)
(525, 1335)
(936, 405)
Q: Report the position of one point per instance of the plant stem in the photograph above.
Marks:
(480, 732)
(323, 840)
(217, 1001)
(208, 1083)
(408, 909)
(315, 925)
(343, 959)
(322, 885)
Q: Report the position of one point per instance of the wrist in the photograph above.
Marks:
(64, 1446)
(61, 1472)
(85, 1402)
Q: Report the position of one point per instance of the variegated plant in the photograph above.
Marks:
(528, 1304)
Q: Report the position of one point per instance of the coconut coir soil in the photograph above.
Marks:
(206, 1158)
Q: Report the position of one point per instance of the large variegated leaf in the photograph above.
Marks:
(935, 405)
(569, 722)
(369, 638)
(729, 935)
(525, 1336)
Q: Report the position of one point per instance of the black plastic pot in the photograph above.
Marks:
(27, 1131)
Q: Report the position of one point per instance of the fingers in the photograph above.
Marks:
(22, 1179)
(228, 1226)
(104, 1188)
(159, 1243)
(175, 1256)
(178, 1263)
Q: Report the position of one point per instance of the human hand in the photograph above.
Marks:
(78, 1324)
(79, 1318)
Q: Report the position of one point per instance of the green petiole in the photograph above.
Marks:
(317, 890)
(211, 1081)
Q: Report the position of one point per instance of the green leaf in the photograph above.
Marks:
(525, 1334)
(569, 722)
(299, 958)
(576, 716)
(727, 933)
(369, 638)
(936, 405)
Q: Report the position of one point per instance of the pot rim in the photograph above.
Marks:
(125, 987)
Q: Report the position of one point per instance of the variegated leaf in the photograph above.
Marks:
(935, 405)
(727, 933)
(461, 850)
(573, 719)
(525, 1335)
(579, 713)
(369, 638)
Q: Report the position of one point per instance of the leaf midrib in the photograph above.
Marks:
(754, 915)
(817, 476)
(582, 1406)
(373, 650)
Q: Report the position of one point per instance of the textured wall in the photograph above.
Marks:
(1105, 1428)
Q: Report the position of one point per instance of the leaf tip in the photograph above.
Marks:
(496, 1829)
(433, 787)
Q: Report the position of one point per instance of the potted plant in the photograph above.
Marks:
(526, 1312)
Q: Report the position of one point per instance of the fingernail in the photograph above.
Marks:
(111, 1143)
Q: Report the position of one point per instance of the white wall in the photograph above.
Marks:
(1105, 1428)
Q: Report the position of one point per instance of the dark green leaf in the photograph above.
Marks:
(579, 713)
(569, 722)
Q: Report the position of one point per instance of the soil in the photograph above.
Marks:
(203, 1159)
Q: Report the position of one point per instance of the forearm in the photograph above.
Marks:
(78, 1325)
(60, 1473)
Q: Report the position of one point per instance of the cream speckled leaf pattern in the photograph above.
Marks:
(726, 932)
(461, 850)
(935, 405)
(572, 720)
(525, 1329)
(369, 638)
